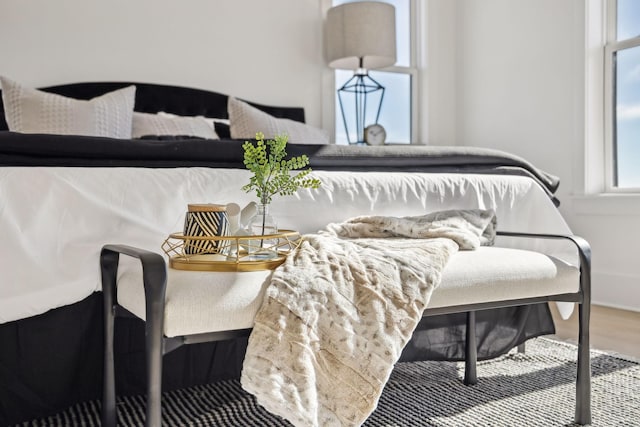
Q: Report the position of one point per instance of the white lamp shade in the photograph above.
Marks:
(362, 30)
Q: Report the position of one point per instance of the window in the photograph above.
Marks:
(622, 95)
(397, 113)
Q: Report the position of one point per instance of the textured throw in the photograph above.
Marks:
(339, 311)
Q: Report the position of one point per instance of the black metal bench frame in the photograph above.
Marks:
(157, 345)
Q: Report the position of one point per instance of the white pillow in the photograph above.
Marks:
(30, 110)
(169, 124)
(209, 120)
(246, 121)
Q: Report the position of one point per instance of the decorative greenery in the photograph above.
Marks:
(271, 172)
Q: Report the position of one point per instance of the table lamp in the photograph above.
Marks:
(360, 36)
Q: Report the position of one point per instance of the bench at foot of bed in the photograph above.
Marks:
(171, 302)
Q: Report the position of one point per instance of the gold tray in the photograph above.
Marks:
(232, 253)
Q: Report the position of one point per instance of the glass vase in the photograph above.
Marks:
(263, 224)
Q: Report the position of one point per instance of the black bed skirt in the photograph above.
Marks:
(51, 361)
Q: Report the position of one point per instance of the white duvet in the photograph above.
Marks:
(54, 221)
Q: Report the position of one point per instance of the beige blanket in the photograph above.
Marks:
(339, 311)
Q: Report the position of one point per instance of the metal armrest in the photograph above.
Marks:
(584, 254)
(583, 381)
(154, 274)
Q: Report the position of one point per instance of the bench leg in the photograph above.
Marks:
(154, 338)
(109, 268)
(109, 387)
(522, 348)
(583, 382)
(471, 351)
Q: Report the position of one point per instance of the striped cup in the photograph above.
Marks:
(206, 220)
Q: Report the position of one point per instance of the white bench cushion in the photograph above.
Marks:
(496, 274)
(199, 302)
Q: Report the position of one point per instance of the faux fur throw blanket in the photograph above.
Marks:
(339, 311)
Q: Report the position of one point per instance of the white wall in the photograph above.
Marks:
(519, 79)
(437, 73)
(520, 72)
(265, 51)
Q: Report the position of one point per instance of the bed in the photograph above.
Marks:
(64, 196)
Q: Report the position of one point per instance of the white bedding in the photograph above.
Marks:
(53, 221)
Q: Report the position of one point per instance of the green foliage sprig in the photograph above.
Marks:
(271, 172)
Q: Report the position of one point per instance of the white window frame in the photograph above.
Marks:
(610, 48)
(593, 193)
(412, 70)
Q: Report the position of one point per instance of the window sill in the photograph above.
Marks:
(611, 204)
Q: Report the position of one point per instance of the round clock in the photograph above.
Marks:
(374, 134)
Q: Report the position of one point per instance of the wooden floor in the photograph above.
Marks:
(611, 329)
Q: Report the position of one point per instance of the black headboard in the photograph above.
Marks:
(152, 98)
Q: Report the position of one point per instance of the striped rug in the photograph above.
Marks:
(532, 389)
